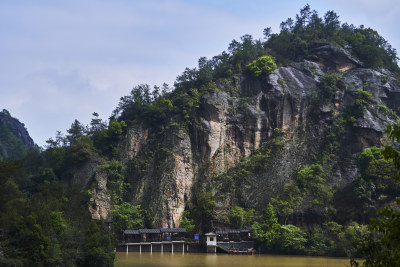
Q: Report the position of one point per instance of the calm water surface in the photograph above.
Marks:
(136, 259)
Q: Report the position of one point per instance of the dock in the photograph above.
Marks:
(163, 246)
(170, 240)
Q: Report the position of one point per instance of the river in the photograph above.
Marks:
(136, 259)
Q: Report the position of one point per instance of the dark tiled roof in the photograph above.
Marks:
(131, 232)
(149, 231)
(155, 231)
(230, 231)
(246, 230)
(173, 230)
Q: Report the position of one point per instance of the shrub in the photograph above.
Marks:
(240, 217)
(263, 65)
(187, 222)
(127, 216)
(387, 111)
(328, 85)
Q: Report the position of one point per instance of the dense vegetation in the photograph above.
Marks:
(44, 219)
(44, 215)
(382, 245)
(298, 37)
(45, 222)
(296, 41)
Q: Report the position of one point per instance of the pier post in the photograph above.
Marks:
(183, 248)
(172, 248)
(140, 248)
(127, 249)
(151, 248)
(162, 248)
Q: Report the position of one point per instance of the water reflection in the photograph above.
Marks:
(223, 260)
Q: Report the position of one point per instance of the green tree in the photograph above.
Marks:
(12, 200)
(290, 199)
(27, 241)
(115, 130)
(81, 150)
(291, 239)
(240, 218)
(106, 141)
(127, 216)
(297, 38)
(134, 105)
(367, 156)
(204, 209)
(187, 222)
(98, 246)
(384, 249)
(262, 66)
(96, 125)
(352, 237)
(267, 230)
(375, 185)
(244, 51)
(331, 23)
(311, 179)
(328, 85)
(77, 130)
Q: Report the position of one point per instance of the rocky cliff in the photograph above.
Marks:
(241, 115)
(14, 137)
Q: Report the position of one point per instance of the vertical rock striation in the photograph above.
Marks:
(182, 161)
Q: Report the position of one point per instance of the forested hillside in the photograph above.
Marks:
(284, 135)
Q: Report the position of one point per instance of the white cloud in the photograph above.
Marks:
(63, 60)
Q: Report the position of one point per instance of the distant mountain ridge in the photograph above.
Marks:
(15, 140)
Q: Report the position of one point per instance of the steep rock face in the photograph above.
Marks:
(306, 129)
(374, 121)
(228, 131)
(86, 174)
(132, 142)
(179, 191)
(14, 137)
(92, 176)
(282, 102)
(226, 137)
(100, 200)
(229, 136)
(336, 57)
(229, 127)
(165, 187)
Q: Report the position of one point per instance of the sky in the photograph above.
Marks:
(63, 60)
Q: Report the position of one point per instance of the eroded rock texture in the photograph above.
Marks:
(185, 160)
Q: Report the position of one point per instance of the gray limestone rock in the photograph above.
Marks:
(187, 160)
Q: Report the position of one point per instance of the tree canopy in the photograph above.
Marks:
(382, 248)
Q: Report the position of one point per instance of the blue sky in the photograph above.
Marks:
(63, 60)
